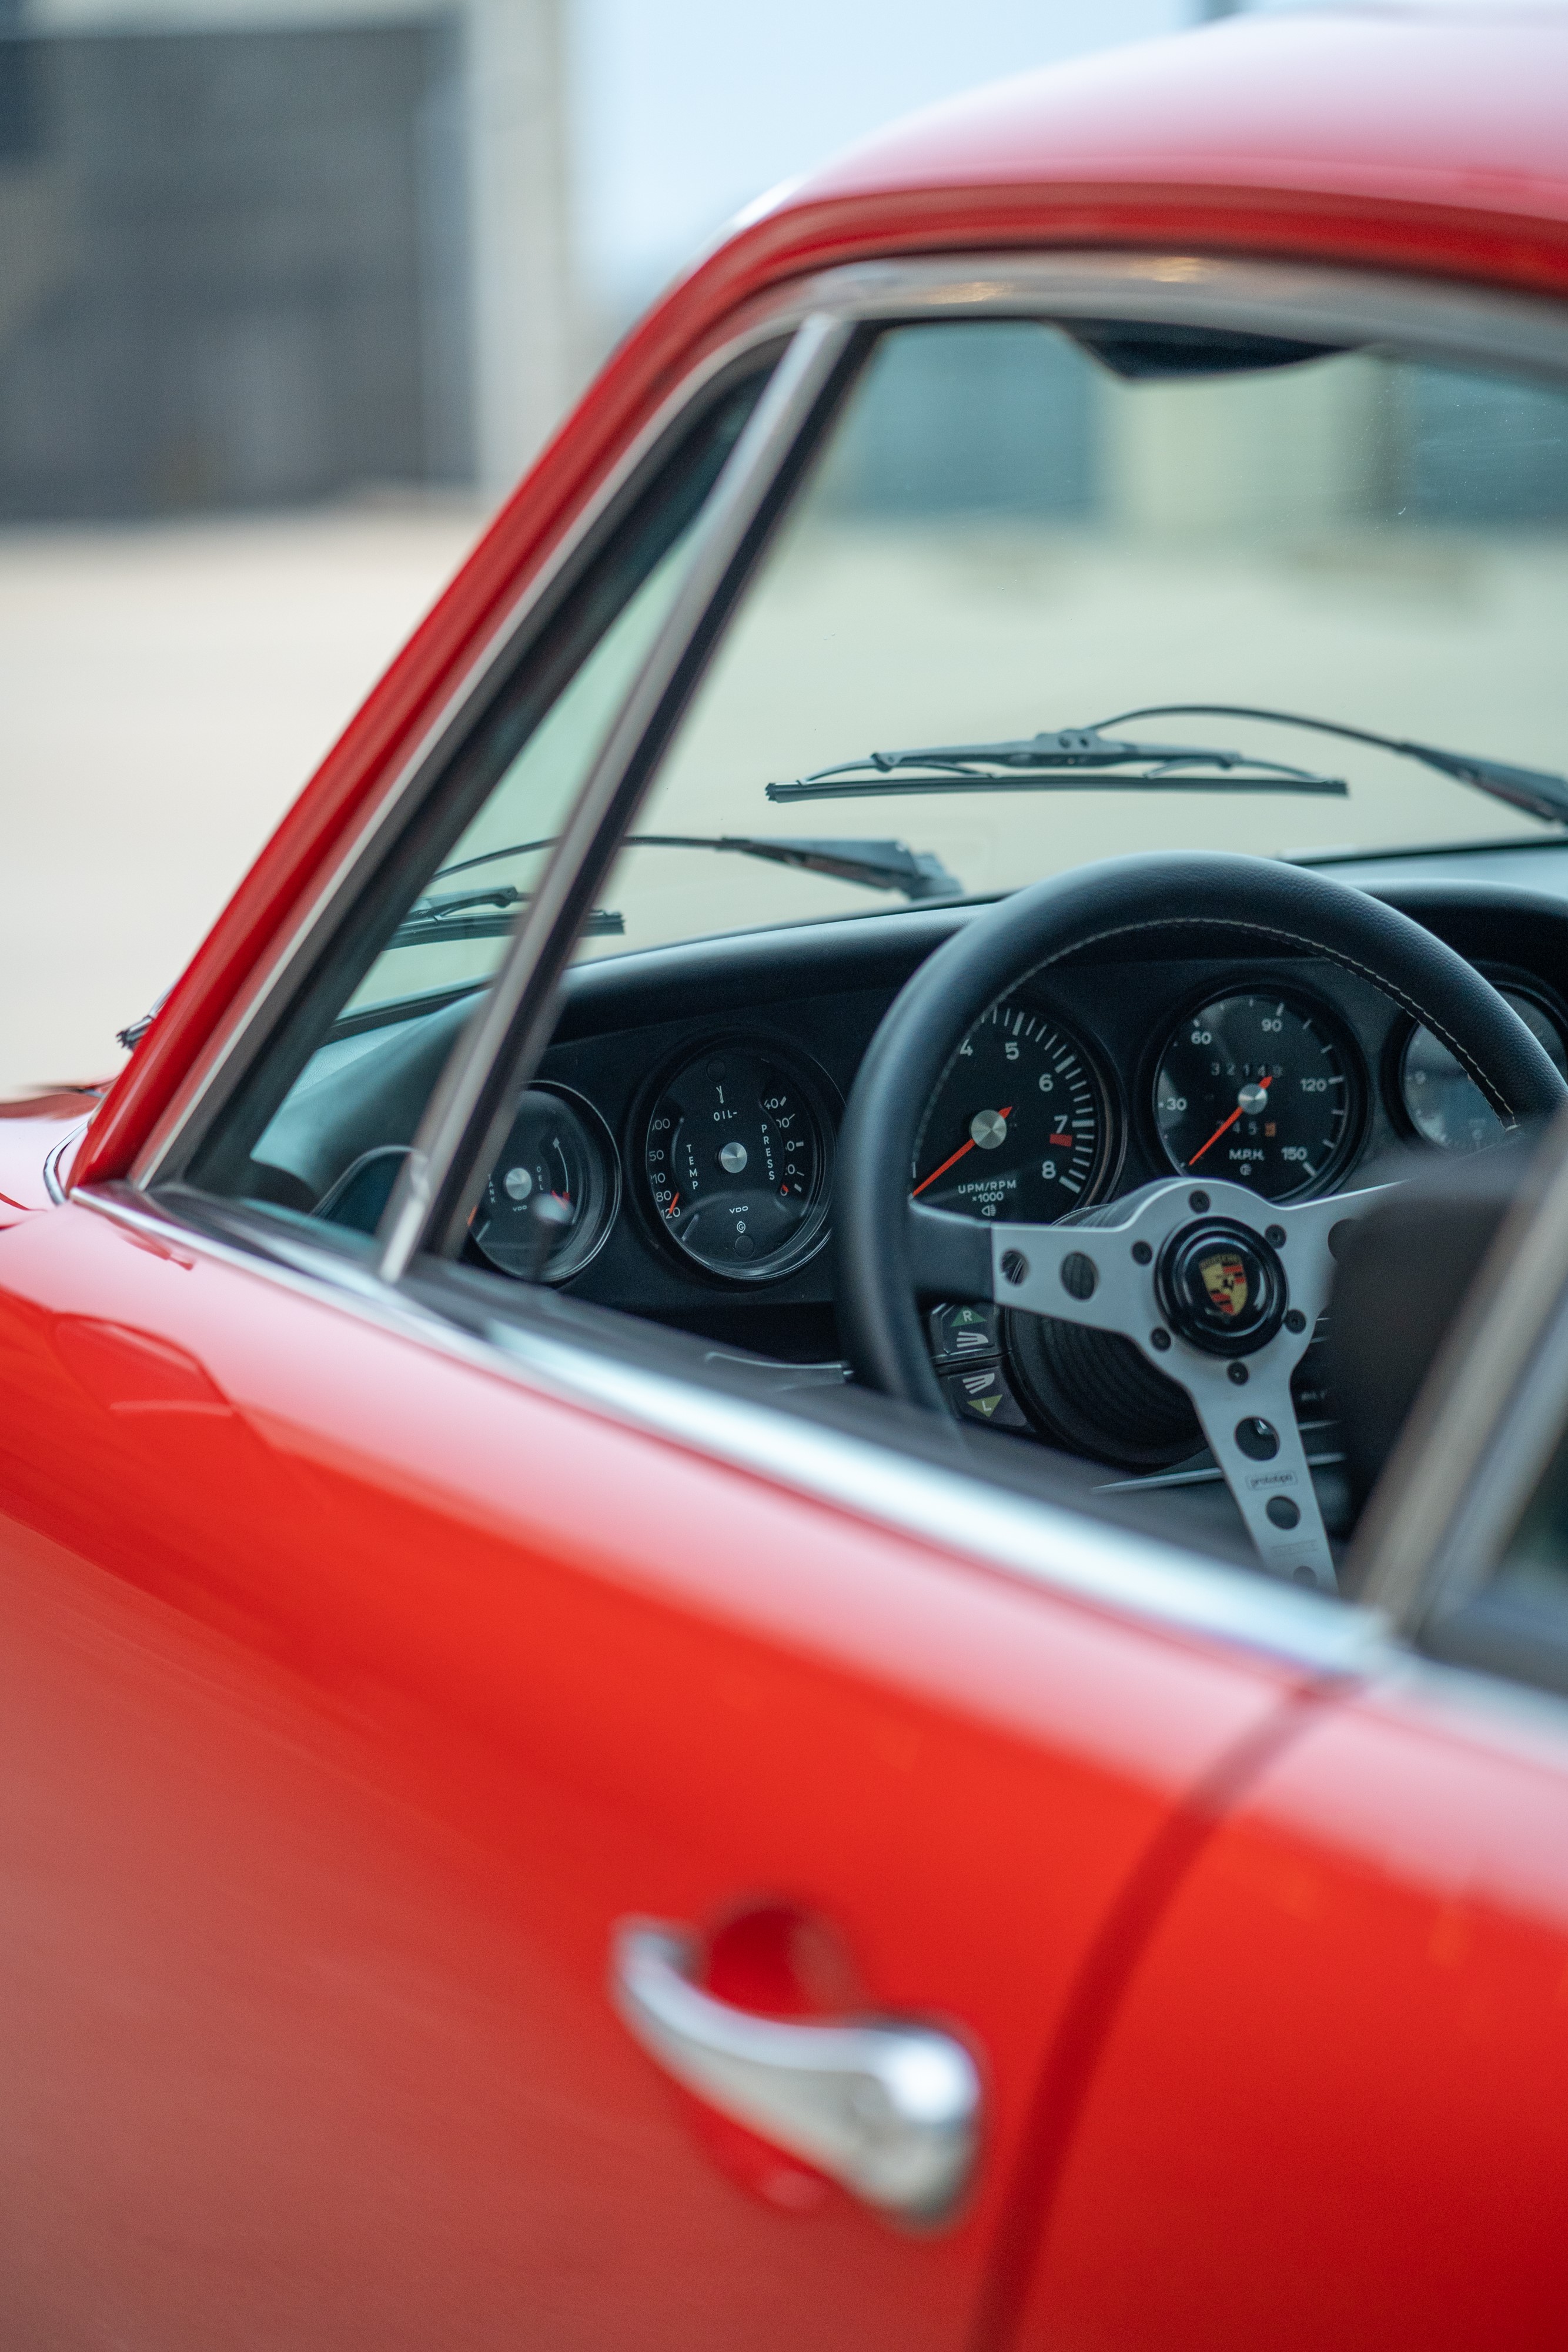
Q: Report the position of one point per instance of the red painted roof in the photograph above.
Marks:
(1442, 105)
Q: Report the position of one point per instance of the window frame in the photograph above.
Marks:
(1419, 319)
(1437, 320)
(377, 846)
(1456, 323)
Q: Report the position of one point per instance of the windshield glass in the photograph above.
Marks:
(1013, 528)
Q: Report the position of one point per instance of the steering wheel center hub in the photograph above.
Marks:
(1221, 1286)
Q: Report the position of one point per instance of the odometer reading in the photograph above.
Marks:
(1254, 1090)
(1018, 1127)
(736, 1158)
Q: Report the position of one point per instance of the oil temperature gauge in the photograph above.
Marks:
(736, 1157)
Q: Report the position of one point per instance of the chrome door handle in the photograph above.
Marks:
(891, 2111)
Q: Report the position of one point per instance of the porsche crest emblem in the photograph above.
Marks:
(1224, 1277)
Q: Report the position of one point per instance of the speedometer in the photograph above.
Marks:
(1019, 1126)
(1257, 1089)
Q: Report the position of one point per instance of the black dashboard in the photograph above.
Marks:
(714, 1074)
(673, 1158)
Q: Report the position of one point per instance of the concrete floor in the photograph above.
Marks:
(164, 692)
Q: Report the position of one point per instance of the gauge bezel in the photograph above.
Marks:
(1538, 992)
(599, 1134)
(1305, 1003)
(1107, 1168)
(821, 1098)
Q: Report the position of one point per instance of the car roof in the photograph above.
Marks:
(1428, 104)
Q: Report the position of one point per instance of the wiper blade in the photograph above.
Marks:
(484, 915)
(918, 874)
(1086, 758)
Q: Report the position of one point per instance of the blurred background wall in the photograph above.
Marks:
(260, 252)
(290, 291)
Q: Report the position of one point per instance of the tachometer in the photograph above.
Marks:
(1019, 1127)
(736, 1157)
(1257, 1089)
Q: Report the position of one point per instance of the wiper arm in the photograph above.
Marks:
(879, 865)
(918, 874)
(1540, 792)
(1085, 759)
(462, 915)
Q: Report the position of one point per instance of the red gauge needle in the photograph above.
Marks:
(1227, 1123)
(953, 1158)
(671, 1210)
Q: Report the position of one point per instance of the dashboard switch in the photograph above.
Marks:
(962, 1332)
(983, 1394)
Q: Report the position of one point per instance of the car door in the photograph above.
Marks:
(1332, 2107)
(363, 1678)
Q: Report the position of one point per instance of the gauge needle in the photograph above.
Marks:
(671, 1210)
(1227, 1123)
(953, 1158)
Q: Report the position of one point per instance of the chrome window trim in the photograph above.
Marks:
(54, 1158)
(1434, 318)
(1517, 1721)
(219, 1067)
(1044, 1545)
(510, 1029)
(1439, 319)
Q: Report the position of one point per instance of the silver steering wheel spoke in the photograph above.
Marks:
(1220, 1290)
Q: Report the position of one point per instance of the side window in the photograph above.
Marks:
(323, 1117)
(1517, 1624)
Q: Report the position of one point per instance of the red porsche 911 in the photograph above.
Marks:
(784, 1492)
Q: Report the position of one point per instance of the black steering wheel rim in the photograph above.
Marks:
(1255, 901)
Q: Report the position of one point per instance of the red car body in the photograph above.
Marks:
(356, 1684)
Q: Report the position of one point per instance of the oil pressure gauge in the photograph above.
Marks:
(737, 1158)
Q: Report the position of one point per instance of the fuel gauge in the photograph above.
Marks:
(559, 1151)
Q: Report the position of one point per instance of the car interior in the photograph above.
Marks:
(1305, 570)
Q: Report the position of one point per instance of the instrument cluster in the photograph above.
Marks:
(731, 1153)
(726, 1158)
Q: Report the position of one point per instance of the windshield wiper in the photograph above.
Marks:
(1086, 759)
(1083, 758)
(918, 874)
(485, 915)
(879, 865)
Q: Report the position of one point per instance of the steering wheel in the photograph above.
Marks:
(1220, 1290)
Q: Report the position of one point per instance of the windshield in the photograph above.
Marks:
(1010, 533)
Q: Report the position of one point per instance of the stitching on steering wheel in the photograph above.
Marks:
(1272, 931)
